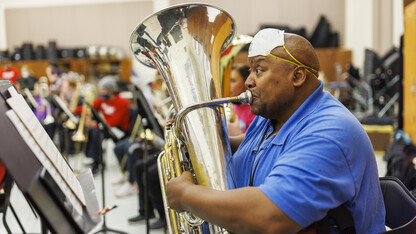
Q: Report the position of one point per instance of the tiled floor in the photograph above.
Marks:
(115, 219)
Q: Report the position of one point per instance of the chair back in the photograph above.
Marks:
(400, 204)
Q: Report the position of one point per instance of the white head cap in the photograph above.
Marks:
(265, 41)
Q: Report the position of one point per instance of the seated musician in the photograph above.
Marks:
(44, 112)
(9, 72)
(116, 113)
(70, 95)
(302, 156)
(128, 151)
(154, 194)
(28, 78)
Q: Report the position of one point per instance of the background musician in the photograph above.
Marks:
(28, 78)
(303, 155)
(154, 194)
(70, 95)
(244, 117)
(53, 73)
(116, 113)
(44, 112)
(8, 72)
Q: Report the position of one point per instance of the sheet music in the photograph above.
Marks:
(43, 147)
(65, 109)
(31, 98)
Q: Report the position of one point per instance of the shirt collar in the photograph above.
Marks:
(307, 107)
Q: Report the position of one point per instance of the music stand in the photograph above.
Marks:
(40, 171)
(151, 123)
(145, 111)
(108, 132)
(146, 183)
(61, 105)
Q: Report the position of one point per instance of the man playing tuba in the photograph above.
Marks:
(303, 155)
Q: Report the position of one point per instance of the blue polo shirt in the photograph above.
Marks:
(320, 159)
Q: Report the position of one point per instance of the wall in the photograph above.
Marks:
(250, 14)
(76, 25)
(112, 23)
(372, 24)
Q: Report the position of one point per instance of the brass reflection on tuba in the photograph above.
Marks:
(184, 43)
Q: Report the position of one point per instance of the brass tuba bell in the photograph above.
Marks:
(184, 43)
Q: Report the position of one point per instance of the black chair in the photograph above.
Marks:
(400, 206)
(5, 202)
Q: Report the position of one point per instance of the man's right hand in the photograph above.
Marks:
(176, 189)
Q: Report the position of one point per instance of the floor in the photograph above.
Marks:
(115, 219)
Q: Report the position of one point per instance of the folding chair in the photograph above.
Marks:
(400, 206)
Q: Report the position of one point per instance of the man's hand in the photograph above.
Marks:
(176, 189)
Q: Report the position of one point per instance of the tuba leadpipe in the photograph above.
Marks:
(244, 97)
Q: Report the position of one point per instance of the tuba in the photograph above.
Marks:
(184, 43)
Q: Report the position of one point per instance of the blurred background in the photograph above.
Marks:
(366, 49)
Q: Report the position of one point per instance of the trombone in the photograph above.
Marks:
(89, 96)
(69, 123)
(79, 135)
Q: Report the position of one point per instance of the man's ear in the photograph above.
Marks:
(299, 76)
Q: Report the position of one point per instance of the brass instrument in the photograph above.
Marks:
(70, 123)
(184, 43)
(44, 93)
(79, 135)
(89, 93)
(226, 63)
(227, 59)
(134, 132)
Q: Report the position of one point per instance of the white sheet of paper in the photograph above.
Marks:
(43, 147)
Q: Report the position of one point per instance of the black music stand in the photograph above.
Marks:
(108, 132)
(145, 111)
(146, 182)
(151, 122)
(31, 176)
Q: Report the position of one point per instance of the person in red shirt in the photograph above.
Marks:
(8, 72)
(116, 113)
(114, 108)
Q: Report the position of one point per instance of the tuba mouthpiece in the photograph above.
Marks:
(244, 97)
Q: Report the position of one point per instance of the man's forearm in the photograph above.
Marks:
(225, 209)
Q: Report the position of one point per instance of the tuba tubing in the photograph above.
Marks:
(244, 97)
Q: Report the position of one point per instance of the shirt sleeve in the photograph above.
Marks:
(311, 177)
